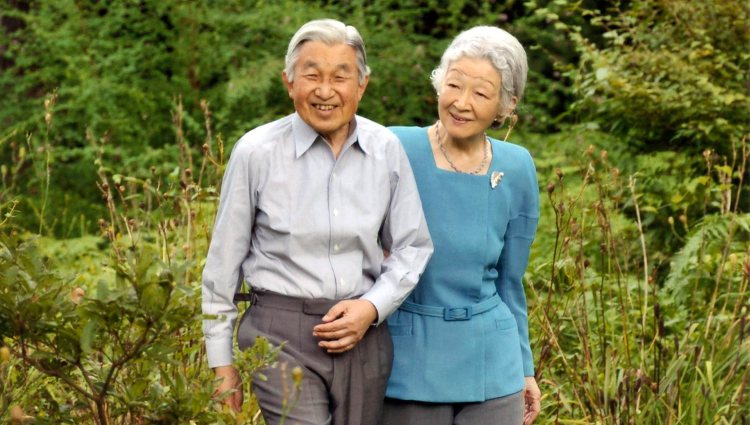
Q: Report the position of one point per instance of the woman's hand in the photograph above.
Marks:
(532, 401)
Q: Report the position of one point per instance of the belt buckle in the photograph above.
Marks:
(454, 314)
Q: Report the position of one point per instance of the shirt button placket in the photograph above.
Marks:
(335, 248)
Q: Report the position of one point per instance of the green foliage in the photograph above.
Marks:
(713, 248)
(118, 70)
(617, 344)
(112, 66)
(669, 80)
(638, 281)
(118, 340)
(667, 75)
(109, 347)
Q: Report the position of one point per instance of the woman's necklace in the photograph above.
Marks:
(447, 158)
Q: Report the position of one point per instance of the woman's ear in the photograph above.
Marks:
(508, 110)
(504, 113)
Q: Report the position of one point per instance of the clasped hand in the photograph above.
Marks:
(345, 324)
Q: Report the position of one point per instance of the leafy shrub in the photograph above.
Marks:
(667, 75)
(118, 70)
(669, 80)
(117, 338)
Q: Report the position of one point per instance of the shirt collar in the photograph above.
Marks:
(305, 136)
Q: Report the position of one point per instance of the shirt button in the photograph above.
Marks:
(335, 212)
(342, 281)
(336, 248)
(334, 175)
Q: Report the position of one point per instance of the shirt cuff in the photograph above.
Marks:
(219, 352)
(383, 302)
(381, 305)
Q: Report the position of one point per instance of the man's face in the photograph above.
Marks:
(326, 89)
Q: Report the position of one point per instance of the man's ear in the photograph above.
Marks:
(363, 87)
(287, 83)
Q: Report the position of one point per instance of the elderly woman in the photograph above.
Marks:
(461, 343)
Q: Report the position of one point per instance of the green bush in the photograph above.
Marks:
(111, 324)
(669, 81)
(118, 70)
(665, 75)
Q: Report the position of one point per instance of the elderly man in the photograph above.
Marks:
(308, 205)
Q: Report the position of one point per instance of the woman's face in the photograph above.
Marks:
(469, 98)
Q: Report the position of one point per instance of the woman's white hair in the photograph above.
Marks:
(497, 46)
(328, 31)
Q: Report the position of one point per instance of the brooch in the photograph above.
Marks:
(496, 178)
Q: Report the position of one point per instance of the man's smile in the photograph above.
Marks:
(323, 107)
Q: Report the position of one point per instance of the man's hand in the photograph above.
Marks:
(345, 324)
(532, 401)
(231, 381)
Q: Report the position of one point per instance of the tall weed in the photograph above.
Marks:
(620, 340)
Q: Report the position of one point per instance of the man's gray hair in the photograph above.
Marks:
(328, 31)
(497, 46)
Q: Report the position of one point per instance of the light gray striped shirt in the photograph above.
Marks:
(294, 220)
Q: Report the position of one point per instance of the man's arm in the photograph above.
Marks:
(406, 238)
(230, 244)
(404, 234)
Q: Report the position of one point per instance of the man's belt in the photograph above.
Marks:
(242, 297)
